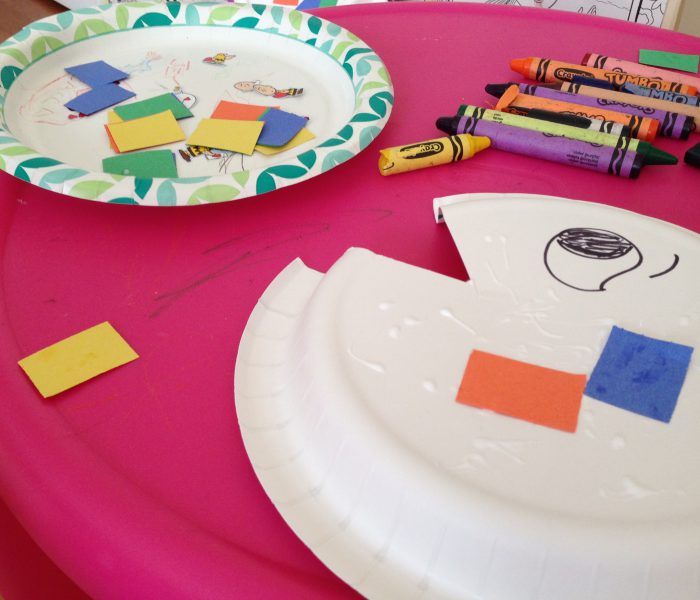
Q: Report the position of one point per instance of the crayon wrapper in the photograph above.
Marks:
(552, 70)
(670, 124)
(605, 159)
(430, 153)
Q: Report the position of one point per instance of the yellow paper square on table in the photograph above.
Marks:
(76, 359)
(146, 132)
(227, 134)
(303, 136)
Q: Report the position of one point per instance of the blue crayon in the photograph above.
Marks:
(639, 90)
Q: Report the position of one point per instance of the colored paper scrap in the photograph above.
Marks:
(300, 138)
(97, 73)
(525, 391)
(225, 134)
(99, 98)
(239, 112)
(149, 163)
(670, 60)
(145, 132)
(280, 127)
(640, 374)
(76, 359)
(113, 117)
(152, 106)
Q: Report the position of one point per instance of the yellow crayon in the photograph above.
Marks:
(430, 153)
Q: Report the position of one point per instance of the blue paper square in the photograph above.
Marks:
(99, 98)
(97, 73)
(280, 127)
(640, 374)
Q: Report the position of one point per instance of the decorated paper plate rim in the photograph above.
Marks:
(368, 75)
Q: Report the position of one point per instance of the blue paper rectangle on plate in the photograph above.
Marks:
(99, 98)
(640, 374)
(97, 73)
(280, 127)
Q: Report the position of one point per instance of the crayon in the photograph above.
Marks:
(577, 121)
(682, 109)
(639, 90)
(671, 124)
(615, 64)
(541, 69)
(651, 154)
(592, 81)
(554, 117)
(692, 156)
(640, 127)
(604, 159)
(498, 89)
(430, 153)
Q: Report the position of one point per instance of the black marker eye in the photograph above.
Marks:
(594, 243)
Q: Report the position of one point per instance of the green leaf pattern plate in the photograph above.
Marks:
(348, 95)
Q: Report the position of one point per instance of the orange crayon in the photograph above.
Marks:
(642, 128)
(654, 103)
(550, 71)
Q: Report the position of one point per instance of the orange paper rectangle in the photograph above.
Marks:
(238, 111)
(522, 390)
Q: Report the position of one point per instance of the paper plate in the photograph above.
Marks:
(345, 392)
(347, 95)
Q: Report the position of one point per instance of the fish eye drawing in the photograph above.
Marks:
(587, 259)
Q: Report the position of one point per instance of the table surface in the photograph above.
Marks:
(137, 484)
(18, 14)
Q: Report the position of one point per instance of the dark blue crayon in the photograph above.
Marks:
(592, 81)
(639, 90)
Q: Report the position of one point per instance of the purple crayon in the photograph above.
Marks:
(605, 159)
(671, 124)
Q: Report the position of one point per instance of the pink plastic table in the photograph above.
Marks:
(136, 484)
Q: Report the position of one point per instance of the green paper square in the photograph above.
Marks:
(153, 106)
(147, 164)
(670, 60)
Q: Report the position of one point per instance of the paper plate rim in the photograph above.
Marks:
(368, 76)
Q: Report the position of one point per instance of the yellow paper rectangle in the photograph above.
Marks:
(146, 132)
(226, 134)
(76, 359)
(303, 136)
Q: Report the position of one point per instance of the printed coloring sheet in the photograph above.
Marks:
(647, 12)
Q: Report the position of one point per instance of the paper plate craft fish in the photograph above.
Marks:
(406, 424)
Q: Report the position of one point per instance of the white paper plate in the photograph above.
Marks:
(345, 392)
(347, 95)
